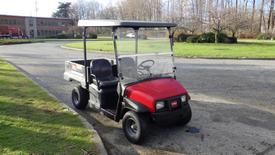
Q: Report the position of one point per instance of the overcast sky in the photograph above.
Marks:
(27, 7)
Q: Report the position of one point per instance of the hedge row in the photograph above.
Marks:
(71, 36)
(265, 36)
(205, 38)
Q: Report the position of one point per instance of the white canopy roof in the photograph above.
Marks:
(123, 23)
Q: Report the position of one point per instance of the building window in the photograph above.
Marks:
(32, 33)
(31, 23)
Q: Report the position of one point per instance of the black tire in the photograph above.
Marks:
(80, 97)
(187, 117)
(134, 126)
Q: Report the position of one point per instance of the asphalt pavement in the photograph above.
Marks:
(233, 103)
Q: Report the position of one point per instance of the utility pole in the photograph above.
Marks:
(35, 21)
(36, 8)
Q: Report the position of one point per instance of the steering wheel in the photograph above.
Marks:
(146, 65)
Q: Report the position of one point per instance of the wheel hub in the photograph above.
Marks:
(75, 98)
(132, 126)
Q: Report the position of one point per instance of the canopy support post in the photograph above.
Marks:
(136, 43)
(114, 43)
(85, 56)
(171, 38)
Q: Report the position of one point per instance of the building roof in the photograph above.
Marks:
(19, 16)
(123, 23)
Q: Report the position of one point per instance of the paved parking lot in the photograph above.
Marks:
(233, 103)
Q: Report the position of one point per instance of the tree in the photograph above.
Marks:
(83, 9)
(191, 25)
(236, 22)
(270, 17)
(194, 16)
(140, 10)
(109, 12)
(261, 15)
(253, 15)
(218, 22)
(63, 10)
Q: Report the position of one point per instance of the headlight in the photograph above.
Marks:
(160, 105)
(183, 98)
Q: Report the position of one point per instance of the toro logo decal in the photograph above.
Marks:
(174, 104)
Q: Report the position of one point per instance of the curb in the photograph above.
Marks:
(78, 49)
(69, 48)
(96, 138)
(215, 58)
(19, 43)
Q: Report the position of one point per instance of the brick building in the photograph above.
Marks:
(36, 26)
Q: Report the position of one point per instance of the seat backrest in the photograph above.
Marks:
(128, 67)
(101, 68)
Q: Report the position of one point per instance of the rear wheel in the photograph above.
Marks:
(134, 126)
(80, 97)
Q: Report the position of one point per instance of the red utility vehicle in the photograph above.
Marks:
(139, 85)
(10, 31)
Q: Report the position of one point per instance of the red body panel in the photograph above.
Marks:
(10, 30)
(147, 92)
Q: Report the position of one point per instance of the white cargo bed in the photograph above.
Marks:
(75, 71)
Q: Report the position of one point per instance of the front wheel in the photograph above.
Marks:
(80, 97)
(188, 115)
(134, 126)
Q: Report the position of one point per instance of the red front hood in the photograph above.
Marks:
(148, 92)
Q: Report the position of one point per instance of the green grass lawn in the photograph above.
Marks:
(244, 49)
(31, 122)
